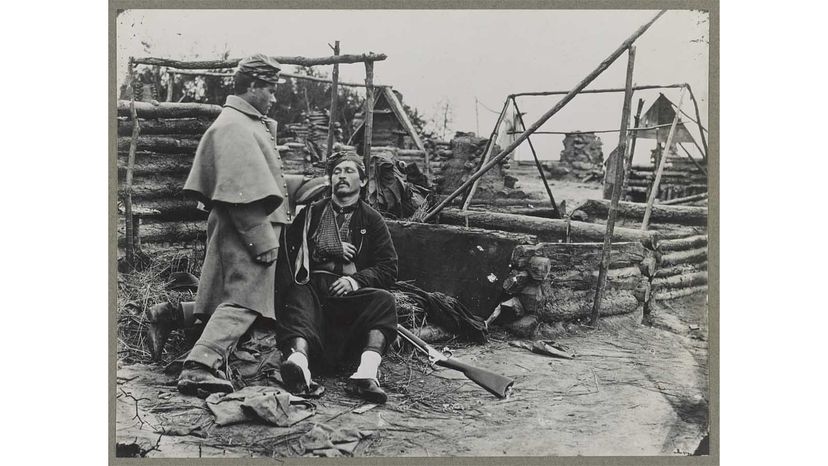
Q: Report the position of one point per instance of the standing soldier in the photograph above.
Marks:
(237, 175)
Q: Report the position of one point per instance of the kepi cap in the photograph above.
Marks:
(338, 157)
(261, 67)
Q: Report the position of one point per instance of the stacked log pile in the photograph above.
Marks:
(453, 167)
(679, 215)
(387, 130)
(681, 269)
(313, 129)
(556, 281)
(678, 180)
(168, 137)
(318, 127)
(439, 153)
(416, 157)
(582, 153)
(546, 229)
(166, 145)
(298, 132)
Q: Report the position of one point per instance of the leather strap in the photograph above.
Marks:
(303, 256)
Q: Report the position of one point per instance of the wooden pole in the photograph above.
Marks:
(628, 164)
(233, 62)
(368, 125)
(129, 226)
(677, 215)
(595, 131)
(617, 187)
(550, 229)
(476, 117)
(156, 82)
(682, 200)
(169, 110)
(686, 152)
(486, 153)
(698, 121)
(282, 74)
(662, 162)
(555, 210)
(170, 83)
(334, 102)
(226, 74)
(546, 116)
(325, 80)
(602, 91)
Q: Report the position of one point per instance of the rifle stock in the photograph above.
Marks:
(496, 384)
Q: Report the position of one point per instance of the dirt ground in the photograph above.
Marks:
(634, 388)
(637, 386)
(573, 192)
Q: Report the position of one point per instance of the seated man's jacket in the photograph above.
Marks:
(376, 258)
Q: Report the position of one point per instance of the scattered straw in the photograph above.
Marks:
(140, 289)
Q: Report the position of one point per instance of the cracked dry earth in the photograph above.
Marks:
(633, 389)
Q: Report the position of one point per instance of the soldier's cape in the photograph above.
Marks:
(230, 165)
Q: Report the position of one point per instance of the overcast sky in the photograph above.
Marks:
(436, 56)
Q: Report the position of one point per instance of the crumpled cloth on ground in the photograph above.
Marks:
(256, 404)
(545, 347)
(254, 362)
(314, 391)
(322, 440)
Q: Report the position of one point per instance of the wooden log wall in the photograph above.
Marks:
(385, 132)
(169, 136)
(450, 163)
(678, 180)
(439, 155)
(467, 151)
(679, 215)
(671, 222)
(681, 268)
(557, 281)
(545, 228)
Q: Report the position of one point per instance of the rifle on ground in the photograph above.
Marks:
(496, 384)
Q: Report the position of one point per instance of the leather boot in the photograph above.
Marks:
(195, 377)
(292, 375)
(369, 389)
(163, 318)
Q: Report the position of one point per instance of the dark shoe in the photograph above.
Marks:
(193, 379)
(293, 377)
(367, 389)
(161, 318)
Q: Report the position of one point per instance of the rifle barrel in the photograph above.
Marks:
(413, 339)
(496, 384)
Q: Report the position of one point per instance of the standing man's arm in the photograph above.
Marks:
(257, 233)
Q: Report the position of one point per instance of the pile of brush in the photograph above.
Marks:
(140, 289)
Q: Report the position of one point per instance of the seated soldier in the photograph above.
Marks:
(338, 305)
(164, 317)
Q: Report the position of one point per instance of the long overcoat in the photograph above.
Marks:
(237, 174)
